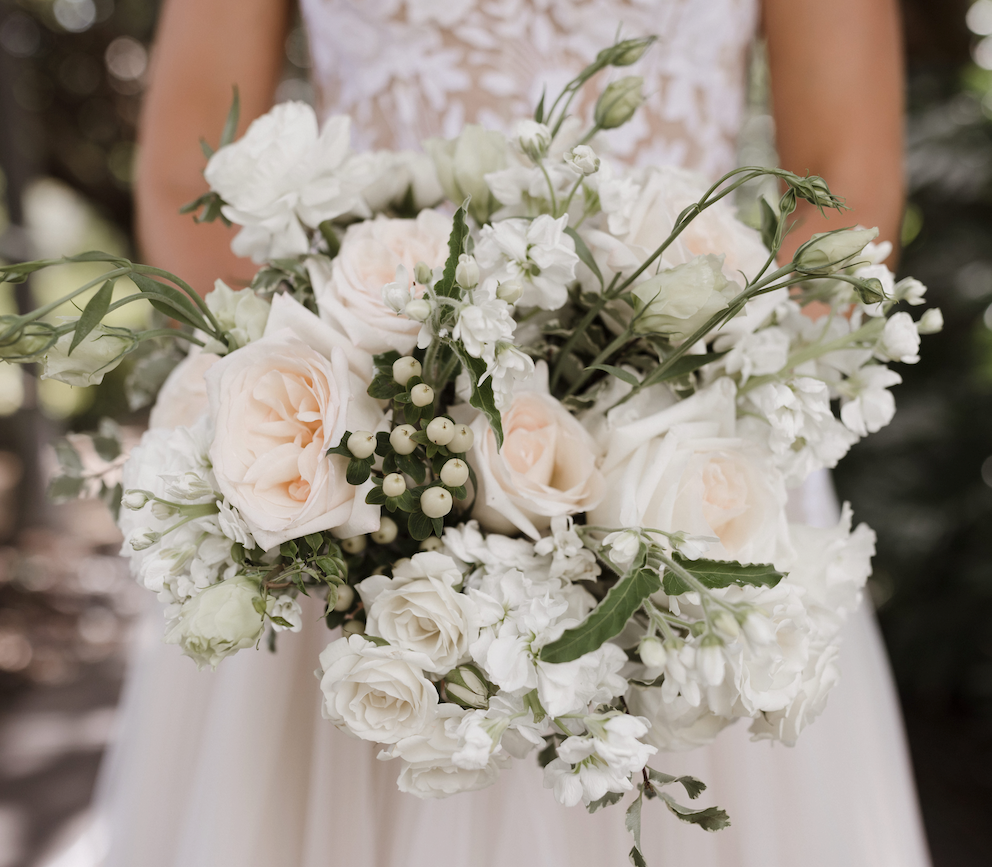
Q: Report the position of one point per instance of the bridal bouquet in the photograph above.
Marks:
(522, 422)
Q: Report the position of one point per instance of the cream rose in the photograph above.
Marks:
(419, 609)
(547, 467)
(683, 469)
(278, 405)
(183, 396)
(349, 289)
(376, 693)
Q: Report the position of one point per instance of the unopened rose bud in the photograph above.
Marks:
(401, 439)
(462, 439)
(435, 502)
(422, 273)
(830, 251)
(652, 653)
(346, 595)
(454, 473)
(618, 102)
(930, 322)
(144, 538)
(421, 394)
(387, 531)
(354, 545)
(405, 368)
(467, 272)
(583, 159)
(135, 499)
(362, 444)
(466, 686)
(394, 485)
(352, 627)
(418, 309)
(441, 431)
(534, 139)
(510, 291)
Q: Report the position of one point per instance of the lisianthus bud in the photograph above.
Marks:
(617, 104)
(394, 485)
(346, 595)
(362, 444)
(830, 251)
(534, 139)
(401, 439)
(135, 499)
(454, 473)
(144, 538)
(510, 291)
(462, 439)
(387, 531)
(441, 430)
(652, 652)
(422, 273)
(19, 341)
(421, 394)
(405, 368)
(354, 545)
(467, 272)
(583, 159)
(931, 321)
(418, 309)
(435, 502)
(466, 686)
(870, 291)
(627, 52)
(98, 353)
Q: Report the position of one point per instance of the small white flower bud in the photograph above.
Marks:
(418, 309)
(727, 625)
(134, 500)
(354, 545)
(931, 321)
(144, 538)
(462, 439)
(346, 595)
(758, 629)
(465, 686)
(164, 511)
(454, 473)
(188, 486)
(397, 295)
(534, 139)
(710, 663)
(352, 627)
(435, 502)
(405, 368)
(421, 394)
(653, 653)
(431, 543)
(387, 531)
(441, 431)
(400, 439)
(362, 444)
(467, 272)
(583, 159)
(394, 485)
(510, 291)
(422, 273)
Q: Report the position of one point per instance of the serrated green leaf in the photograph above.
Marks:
(608, 800)
(93, 313)
(171, 302)
(632, 821)
(231, 124)
(689, 363)
(583, 252)
(637, 858)
(709, 819)
(607, 619)
(289, 549)
(716, 574)
(482, 397)
(358, 471)
(618, 372)
(68, 458)
(693, 787)
(420, 526)
(456, 246)
(315, 541)
(63, 488)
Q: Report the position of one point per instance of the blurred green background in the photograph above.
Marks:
(71, 78)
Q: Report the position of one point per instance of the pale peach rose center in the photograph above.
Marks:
(725, 494)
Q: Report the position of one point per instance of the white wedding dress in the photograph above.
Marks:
(237, 769)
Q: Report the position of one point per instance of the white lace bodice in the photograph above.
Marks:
(409, 69)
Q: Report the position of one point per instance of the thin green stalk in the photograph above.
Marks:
(169, 332)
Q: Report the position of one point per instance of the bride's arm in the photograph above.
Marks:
(837, 93)
(202, 48)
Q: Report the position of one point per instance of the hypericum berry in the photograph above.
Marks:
(387, 531)
(418, 309)
(435, 502)
(354, 545)
(345, 597)
(400, 439)
(353, 627)
(405, 368)
(421, 394)
(454, 473)
(431, 543)
(394, 485)
(462, 439)
(441, 431)
(362, 444)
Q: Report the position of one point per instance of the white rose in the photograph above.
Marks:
(218, 621)
(349, 289)
(183, 396)
(242, 314)
(429, 770)
(376, 693)
(682, 468)
(278, 405)
(547, 467)
(97, 354)
(900, 340)
(419, 609)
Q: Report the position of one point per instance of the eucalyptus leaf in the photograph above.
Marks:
(607, 619)
(93, 313)
(716, 574)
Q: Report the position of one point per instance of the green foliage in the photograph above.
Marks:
(171, 302)
(584, 253)
(456, 246)
(608, 800)
(633, 824)
(715, 574)
(92, 314)
(482, 397)
(709, 818)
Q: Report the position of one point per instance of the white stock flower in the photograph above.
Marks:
(583, 159)
(931, 322)
(218, 621)
(242, 314)
(97, 354)
(376, 693)
(869, 405)
(419, 609)
(910, 290)
(484, 322)
(676, 724)
(533, 138)
(288, 608)
(757, 354)
(570, 559)
(900, 341)
(510, 366)
(538, 252)
(623, 545)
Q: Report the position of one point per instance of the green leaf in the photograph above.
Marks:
(456, 246)
(607, 619)
(108, 448)
(618, 372)
(608, 800)
(231, 124)
(709, 819)
(280, 621)
(335, 618)
(64, 488)
(420, 526)
(769, 222)
(687, 364)
(358, 471)
(437, 524)
(315, 541)
(258, 603)
(93, 313)
(171, 302)
(384, 387)
(548, 754)
(693, 787)
(583, 252)
(376, 497)
(633, 823)
(539, 111)
(637, 858)
(205, 147)
(482, 397)
(330, 237)
(533, 701)
(715, 574)
(68, 458)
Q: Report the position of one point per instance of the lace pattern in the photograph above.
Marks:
(409, 69)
